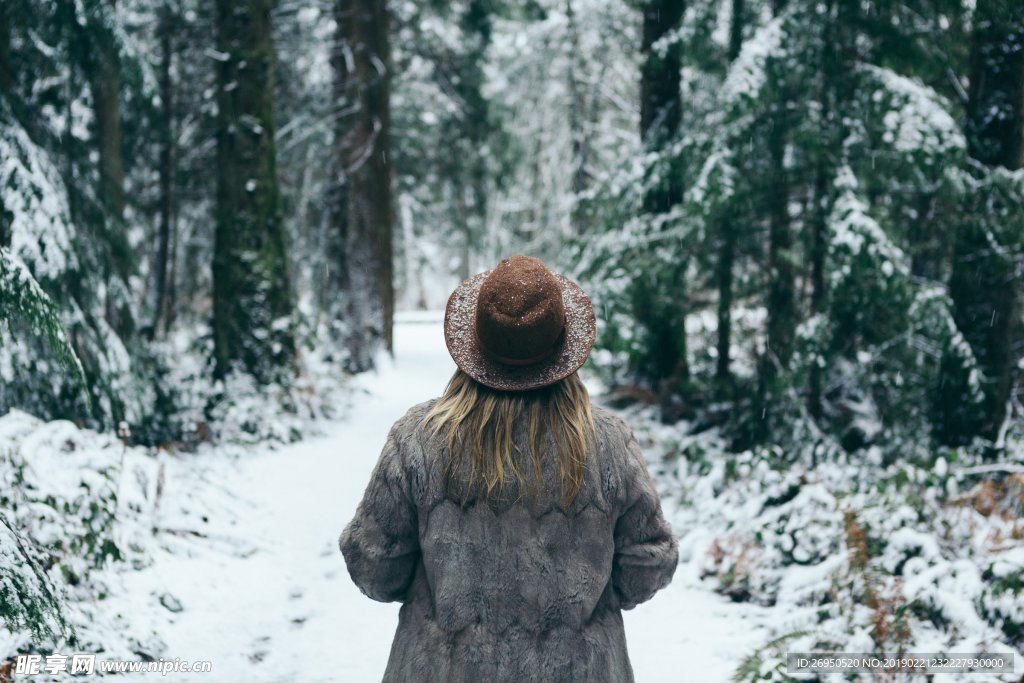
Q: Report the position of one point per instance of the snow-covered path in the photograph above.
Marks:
(265, 596)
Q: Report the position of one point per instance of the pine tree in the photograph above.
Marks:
(666, 365)
(813, 148)
(57, 218)
(660, 95)
(163, 265)
(252, 326)
(781, 301)
(984, 283)
(6, 77)
(727, 237)
(96, 46)
(363, 211)
(580, 123)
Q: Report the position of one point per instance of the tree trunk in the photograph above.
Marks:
(465, 232)
(726, 257)
(105, 84)
(660, 96)
(781, 299)
(995, 107)
(664, 363)
(780, 303)
(727, 239)
(365, 215)
(103, 70)
(839, 34)
(161, 269)
(984, 282)
(577, 125)
(469, 170)
(6, 83)
(251, 293)
(819, 295)
(6, 75)
(736, 29)
(782, 313)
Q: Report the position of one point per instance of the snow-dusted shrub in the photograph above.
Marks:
(856, 551)
(28, 599)
(74, 504)
(1002, 598)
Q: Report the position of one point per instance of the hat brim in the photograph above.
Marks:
(464, 347)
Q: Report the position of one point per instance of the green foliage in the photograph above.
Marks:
(73, 503)
(830, 154)
(22, 301)
(57, 219)
(28, 599)
(984, 287)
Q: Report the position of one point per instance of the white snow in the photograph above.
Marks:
(919, 119)
(746, 75)
(853, 229)
(32, 191)
(248, 548)
(688, 633)
(231, 553)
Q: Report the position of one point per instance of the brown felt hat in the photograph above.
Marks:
(519, 326)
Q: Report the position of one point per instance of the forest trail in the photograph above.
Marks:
(274, 603)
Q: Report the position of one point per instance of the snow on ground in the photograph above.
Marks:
(262, 588)
(229, 554)
(689, 633)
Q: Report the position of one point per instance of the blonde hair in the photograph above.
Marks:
(480, 420)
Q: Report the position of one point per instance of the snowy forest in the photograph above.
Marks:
(228, 228)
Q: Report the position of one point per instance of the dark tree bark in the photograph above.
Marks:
(781, 301)
(664, 364)
(839, 32)
(819, 295)
(736, 29)
(6, 76)
(166, 169)
(106, 94)
(726, 259)
(577, 127)
(995, 108)
(251, 292)
(727, 239)
(104, 72)
(102, 66)
(781, 288)
(468, 169)
(363, 215)
(781, 305)
(6, 82)
(984, 283)
(660, 95)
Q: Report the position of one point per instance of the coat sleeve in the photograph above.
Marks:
(381, 544)
(646, 552)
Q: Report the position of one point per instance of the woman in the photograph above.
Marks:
(512, 519)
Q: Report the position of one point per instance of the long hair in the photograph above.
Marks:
(478, 422)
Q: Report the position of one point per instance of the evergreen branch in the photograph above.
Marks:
(21, 298)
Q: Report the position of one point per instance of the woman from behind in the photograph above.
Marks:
(512, 518)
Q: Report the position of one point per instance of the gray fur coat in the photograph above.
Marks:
(515, 590)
